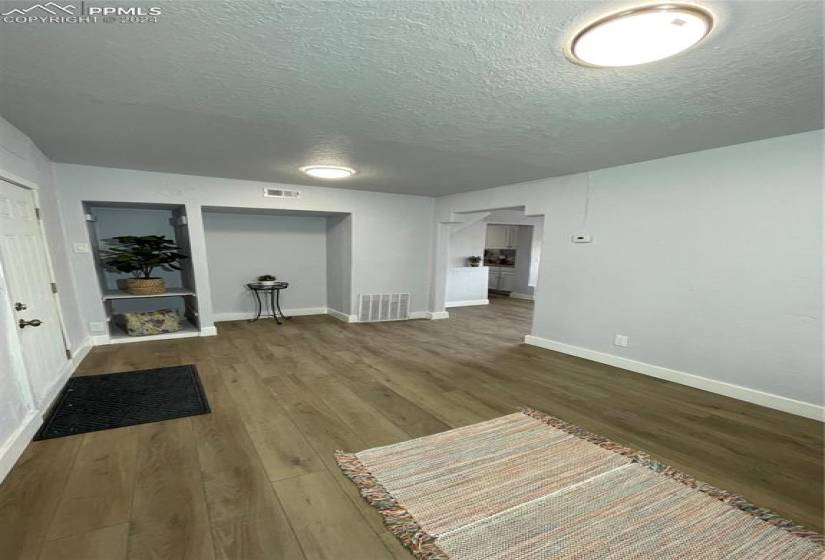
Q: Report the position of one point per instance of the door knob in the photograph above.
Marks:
(33, 323)
(19, 306)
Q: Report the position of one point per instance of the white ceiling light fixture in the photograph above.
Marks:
(640, 35)
(328, 171)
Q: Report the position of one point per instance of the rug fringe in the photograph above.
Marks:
(397, 519)
(644, 459)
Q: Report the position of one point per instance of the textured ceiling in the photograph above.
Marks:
(421, 97)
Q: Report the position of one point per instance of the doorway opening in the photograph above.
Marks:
(493, 258)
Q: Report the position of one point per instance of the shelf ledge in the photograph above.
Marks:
(187, 331)
(171, 292)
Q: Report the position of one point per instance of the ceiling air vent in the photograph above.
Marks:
(281, 193)
(383, 307)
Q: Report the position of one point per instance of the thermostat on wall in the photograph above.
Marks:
(582, 238)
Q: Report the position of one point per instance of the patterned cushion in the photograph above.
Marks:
(151, 322)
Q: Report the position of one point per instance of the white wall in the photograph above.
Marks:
(241, 247)
(467, 242)
(391, 234)
(467, 285)
(711, 262)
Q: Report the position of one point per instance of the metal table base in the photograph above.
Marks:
(274, 293)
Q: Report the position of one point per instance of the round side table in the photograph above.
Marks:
(271, 292)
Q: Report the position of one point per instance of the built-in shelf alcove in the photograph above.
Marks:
(106, 220)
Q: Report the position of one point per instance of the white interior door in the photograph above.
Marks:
(36, 318)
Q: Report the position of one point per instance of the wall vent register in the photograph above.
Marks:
(383, 307)
(281, 193)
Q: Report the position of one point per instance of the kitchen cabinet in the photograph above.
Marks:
(507, 281)
(501, 236)
(501, 279)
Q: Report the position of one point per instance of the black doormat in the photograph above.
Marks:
(114, 400)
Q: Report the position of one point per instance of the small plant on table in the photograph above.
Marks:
(266, 279)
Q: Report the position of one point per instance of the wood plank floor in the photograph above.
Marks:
(255, 479)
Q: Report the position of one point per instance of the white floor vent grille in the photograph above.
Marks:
(383, 307)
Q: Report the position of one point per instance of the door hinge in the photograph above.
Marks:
(54, 288)
(68, 354)
(37, 213)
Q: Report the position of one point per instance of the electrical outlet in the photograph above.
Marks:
(82, 248)
(97, 327)
(620, 340)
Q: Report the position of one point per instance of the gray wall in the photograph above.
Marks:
(241, 247)
(391, 234)
(112, 222)
(339, 263)
(711, 262)
(524, 247)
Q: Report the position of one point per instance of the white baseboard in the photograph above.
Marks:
(435, 315)
(209, 331)
(16, 444)
(65, 373)
(81, 353)
(770, 400)
(517, 295)
(467, 302)
(240, 316)
(341, 316)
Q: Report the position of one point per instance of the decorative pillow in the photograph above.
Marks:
(151, 322)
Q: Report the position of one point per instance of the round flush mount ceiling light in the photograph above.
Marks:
(328, 171)
(641, 35)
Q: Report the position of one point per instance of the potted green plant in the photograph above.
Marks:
(140, 256)
(266, 280)
(474, 261)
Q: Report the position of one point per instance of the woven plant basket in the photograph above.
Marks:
(145, 286)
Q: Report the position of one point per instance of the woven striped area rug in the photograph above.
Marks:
(530, 486)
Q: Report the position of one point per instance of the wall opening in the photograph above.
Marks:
(309, 250)
(508, 243)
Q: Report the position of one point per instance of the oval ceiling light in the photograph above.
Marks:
(641, 35)
(328, 171)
